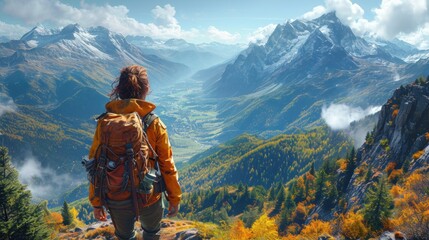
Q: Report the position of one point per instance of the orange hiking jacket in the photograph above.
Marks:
(158, 138)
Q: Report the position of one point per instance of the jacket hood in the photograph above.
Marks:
(123, 106)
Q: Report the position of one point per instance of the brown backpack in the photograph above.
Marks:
(121, 158)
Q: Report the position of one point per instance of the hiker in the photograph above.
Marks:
(128, 96)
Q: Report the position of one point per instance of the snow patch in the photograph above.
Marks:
(325, 30)
(32, 43)
(416, 57)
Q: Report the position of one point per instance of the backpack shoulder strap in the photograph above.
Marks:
(101, 116)
(148, 119)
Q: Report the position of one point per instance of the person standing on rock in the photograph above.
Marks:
(127, 205)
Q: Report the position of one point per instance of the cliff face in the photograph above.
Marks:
(401, 136)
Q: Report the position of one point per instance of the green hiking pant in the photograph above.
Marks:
(122, 213)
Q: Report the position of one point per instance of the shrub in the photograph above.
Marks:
(239, 231)
(265, 228)
(353, 226)
(418, 154)
(107, 232)
(316, 228)
(395, 175)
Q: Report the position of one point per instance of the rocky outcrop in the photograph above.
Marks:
(401, 135)
(190, 234)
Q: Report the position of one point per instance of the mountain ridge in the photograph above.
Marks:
(314, 63)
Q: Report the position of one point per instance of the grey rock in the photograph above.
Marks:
(190, 234)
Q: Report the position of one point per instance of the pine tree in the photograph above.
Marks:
(351, 166)
(289, 207)
(406, 166)
(378, 205)
(19, 219)
(67, 216)
(240, 187)
(368, 175)
(312, 170)
(320, 184)
(272, 193)
(331, 196)
(279, 202)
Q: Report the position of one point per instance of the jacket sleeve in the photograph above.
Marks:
(166, 162)
(94, 200)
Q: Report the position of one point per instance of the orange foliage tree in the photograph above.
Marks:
(315, 229)
(54, 220)
(300, 214)
(412, 216)
(265, 228)
(239, 232)
(418, 154)
(353, 226)
(414, 220)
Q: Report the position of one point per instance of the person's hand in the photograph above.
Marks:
(100, 214)
(173, 209)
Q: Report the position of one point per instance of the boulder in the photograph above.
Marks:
(190, 234)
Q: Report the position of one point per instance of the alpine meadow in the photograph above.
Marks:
(285, 121)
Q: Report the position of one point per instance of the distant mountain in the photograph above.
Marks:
(4, 39)
(282, 85)
(400, 49)
(94, 53)
(195, 56)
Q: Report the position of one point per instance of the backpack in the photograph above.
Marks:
(121, 159)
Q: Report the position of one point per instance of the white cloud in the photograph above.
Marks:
(115, 18)
(346, 11)
(420, 38)
(12, 31)
(339, 116)
(262, 34)
(165, 16)
(407, 20)
(43, 182)
(315, 13)
(401, 16)
(6, 104)
(223, 36)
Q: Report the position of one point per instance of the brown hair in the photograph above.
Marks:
(132, 83)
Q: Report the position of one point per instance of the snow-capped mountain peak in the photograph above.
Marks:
(74, 40)
(322, 44)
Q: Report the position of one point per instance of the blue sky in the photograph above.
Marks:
(228, 21)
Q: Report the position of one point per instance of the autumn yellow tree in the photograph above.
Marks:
(54, 220)
(412, 216)
(264, 228)
(353, 226)
(414, 220)
(316, 228)
(75, 221)
(239, 232)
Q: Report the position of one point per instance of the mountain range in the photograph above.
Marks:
(303, 66)
(195, 56)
